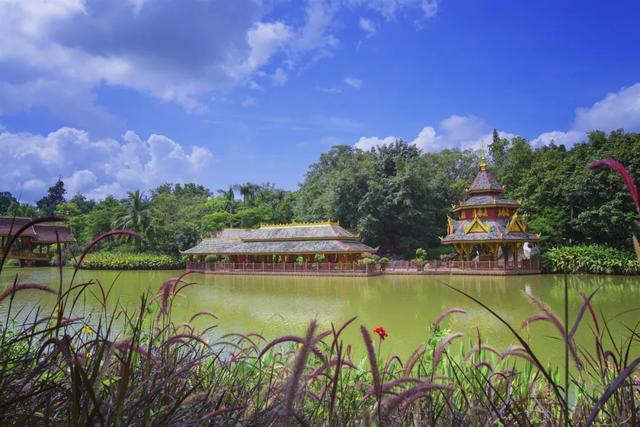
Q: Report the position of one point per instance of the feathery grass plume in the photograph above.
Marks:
(23, 287)
(413, 359)
(624, 174)
(437, 354)
(293, 383)
(373, 363)
(446, 313)
(391, 404)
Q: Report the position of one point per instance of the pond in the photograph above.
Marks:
(404, 305)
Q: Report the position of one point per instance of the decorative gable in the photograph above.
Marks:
(476, 226)
(517, 225)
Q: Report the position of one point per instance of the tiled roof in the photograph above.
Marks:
(302, 232)
(485, 181)
(297, 247)
(497, 232)
(42, 233)
(488, 200)
(293, 239)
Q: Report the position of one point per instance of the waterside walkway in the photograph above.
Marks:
(493, 268)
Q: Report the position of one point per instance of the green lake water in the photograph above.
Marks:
(404, 305)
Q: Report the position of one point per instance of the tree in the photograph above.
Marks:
(47, 205)
(6, 200)
(136, 217)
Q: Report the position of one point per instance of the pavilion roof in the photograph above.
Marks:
(299, 231)
(498, 231)
(296, 238)
(297, 247)
(487, 200)
(485, 182)
(40, 233)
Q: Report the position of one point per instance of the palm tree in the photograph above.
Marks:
(136, 217)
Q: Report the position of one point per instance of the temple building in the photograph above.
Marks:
(35, 243)
(488, 227)
(283, 243)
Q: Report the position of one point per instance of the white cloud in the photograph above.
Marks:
(389, 8)
(265, 39)
(617, 110)
(368, 26)
(455, 131)
(96, 166)
(426, 139)
(248, 102)
(366, 143)
(279, 77)
(558, 137)
(353, 82)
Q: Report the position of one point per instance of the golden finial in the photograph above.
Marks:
(483, 161)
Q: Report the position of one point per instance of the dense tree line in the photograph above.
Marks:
(395, 196)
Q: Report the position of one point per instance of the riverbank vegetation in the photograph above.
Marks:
(136, 366)
(592, 259)
(131, 261)
(395, 196)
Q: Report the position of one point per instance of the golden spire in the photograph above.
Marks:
(483, 161)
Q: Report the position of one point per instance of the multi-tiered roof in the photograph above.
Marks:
(283, 239)
(486, 215)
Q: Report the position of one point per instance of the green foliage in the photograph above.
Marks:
(594, 259)
(131, 261)
(6, 200)
(47, 205)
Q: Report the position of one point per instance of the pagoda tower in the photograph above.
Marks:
(487, 223)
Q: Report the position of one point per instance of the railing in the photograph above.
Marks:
(453, 266)
(28, 255)
(292, 268)
(400, 267)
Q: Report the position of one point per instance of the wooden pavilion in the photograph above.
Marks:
(35, 243)
(286, 243)
(488, 228)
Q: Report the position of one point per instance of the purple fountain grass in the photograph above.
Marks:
(437, 354)
(446, 313)
(23, 287)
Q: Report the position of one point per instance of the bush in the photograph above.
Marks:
(594, 259)
(130, 261)
(211, 258)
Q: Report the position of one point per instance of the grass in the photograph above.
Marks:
(122, 367)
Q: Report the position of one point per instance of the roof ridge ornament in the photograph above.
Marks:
(483, 161)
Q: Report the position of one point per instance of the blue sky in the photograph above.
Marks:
(115, 96)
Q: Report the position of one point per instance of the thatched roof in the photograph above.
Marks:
(218, 243)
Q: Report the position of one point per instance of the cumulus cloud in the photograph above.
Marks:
(96, 167)
(368, 26)
(366, 143)
(617, 110)
(455, 131)
(353, 82)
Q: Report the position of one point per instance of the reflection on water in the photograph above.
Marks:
(404, 305)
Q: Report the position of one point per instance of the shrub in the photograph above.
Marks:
(594, 259)
(130, 261)
(211, 258)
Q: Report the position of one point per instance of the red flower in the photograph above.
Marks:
(381, 332)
